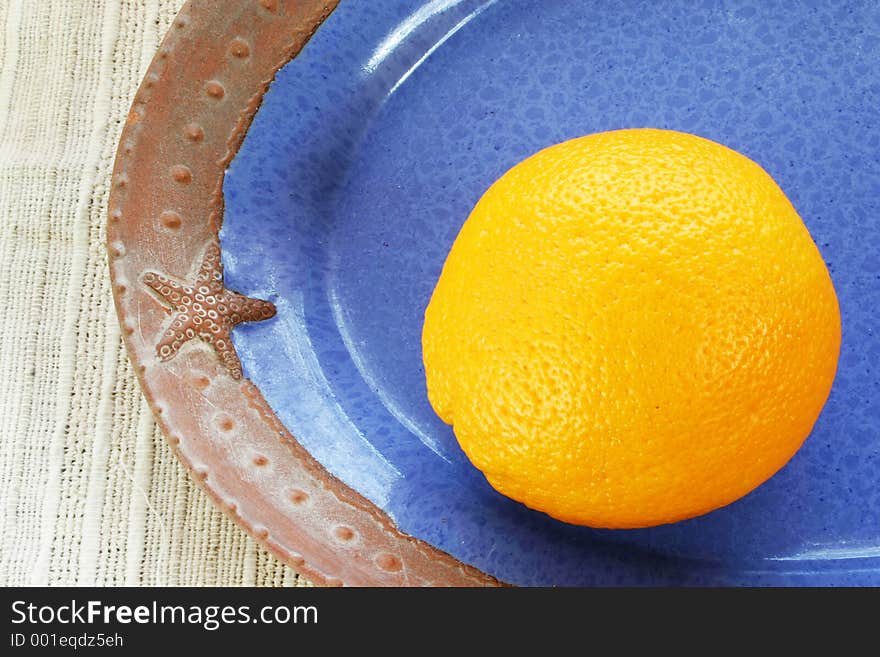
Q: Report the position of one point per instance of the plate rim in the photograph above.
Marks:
(186, 123)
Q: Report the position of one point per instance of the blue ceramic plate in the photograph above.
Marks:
(372, 147)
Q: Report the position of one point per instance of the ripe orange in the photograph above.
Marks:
(632, 328)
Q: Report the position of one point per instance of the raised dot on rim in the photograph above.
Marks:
(343, 533)
(298, 496)
(170, 219)
(388, 562)
(194, 132)
(181, 173)
(215, 89)
(261, 532)
(270, 5)
(199, 381)
(238, 47)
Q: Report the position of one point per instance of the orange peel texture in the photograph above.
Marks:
(632, 328)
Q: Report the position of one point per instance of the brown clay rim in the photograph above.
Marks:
(187, 121)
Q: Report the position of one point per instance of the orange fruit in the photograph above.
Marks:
(632, 328)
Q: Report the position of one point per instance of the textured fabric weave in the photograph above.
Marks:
(89, 490)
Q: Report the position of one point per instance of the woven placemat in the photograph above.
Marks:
(90, 492)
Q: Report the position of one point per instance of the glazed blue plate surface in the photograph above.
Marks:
(372, 147)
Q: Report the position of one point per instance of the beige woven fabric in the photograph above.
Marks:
(89, 491)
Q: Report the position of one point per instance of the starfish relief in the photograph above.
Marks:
(205, 310)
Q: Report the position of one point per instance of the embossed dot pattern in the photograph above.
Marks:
(345, 198)
(215, 89)
(388, 562)
(194, 132)
(298, 497)
(239, 48)
(343, 533)
(199, 381)
(170, 219)
(181, 173)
